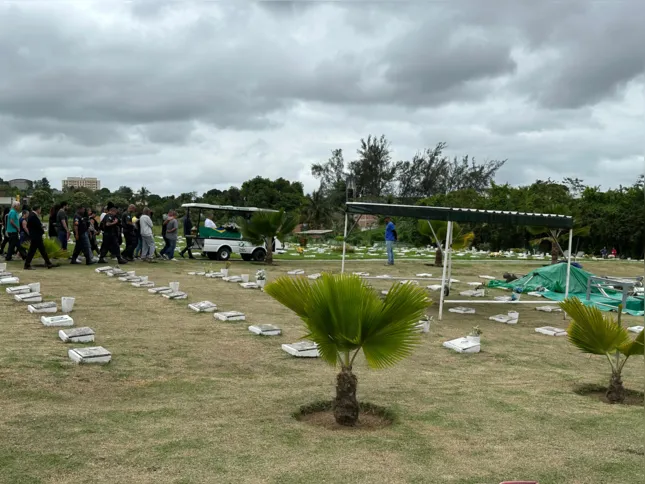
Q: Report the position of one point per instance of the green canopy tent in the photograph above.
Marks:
(550, 281)
(452, 215)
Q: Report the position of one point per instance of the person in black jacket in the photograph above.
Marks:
(5, 240)
(129, 233)
(35, 227)
(81, 233)
(111, 236)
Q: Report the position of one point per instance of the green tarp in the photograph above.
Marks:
(553, 279)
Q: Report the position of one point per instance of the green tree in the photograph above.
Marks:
(264, 227)
(593, 333)
(125, 192)
(344, 316)
(275, 194)
(43, 184)
(437, 232)
(81, 199)
(142, 195)
(374, 170)
(42, 198)
(316, 211)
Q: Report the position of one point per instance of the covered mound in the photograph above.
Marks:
(552, 282)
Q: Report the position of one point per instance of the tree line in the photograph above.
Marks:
(610, 218)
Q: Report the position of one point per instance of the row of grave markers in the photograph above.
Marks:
(30, 294)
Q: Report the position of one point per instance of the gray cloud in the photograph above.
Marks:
(210, 94)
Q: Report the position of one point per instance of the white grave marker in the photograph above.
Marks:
(462, 310)
(249, 285)
(99, 270)
(44, 307)
(424, 274)
(30, 297)
(549, 309)
(488, 278)
(511, 318)
(159, 290)
(314, 276)
(203, 307)
(265, 330)
(463, 345)
(302, 349)
(232, 279)
(230, 316)
(551, 331)
(175, 295)
(77, 335)
(635, 329)
(95, 354)
(473, 293)
(296, 272)
(130, 279)
(63, 320)
(143, 284)
(18, 290)
(7, 281)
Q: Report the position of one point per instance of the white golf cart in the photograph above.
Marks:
(220, 242)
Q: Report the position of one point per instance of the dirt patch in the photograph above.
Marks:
(321, 414)
(632, 397)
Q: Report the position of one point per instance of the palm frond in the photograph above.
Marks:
(591, 331)
(635, 347)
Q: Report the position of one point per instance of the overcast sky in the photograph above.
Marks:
(183, 96)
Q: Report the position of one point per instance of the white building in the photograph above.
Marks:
(80, 182)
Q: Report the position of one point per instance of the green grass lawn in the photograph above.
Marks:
(188, 399)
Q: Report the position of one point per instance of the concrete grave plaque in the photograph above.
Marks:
(314, 276)
(43, 307)
(635, 329)
(63, 320)
(130, 279)
(296, 272)
(99, 270)
(203, 307)
(116, 273)
(230, 316)
(175, 295)
(200, 273)
(511, 318)
(385, 292)
(232, 279)
(424, 274)
(8, 281)
(4, 274)
(475, 284)
(462, 345)
(159, 290)
(462, 310)
(18, 290)
(384, 276)
(488, 278)
(423, 326)
(549, 309)
(95, 354)
(214, 275)
(362, 274)
(249, 285)
(77, 335)
(535, 294)
(503, 298)
(30, 297)
(473, 293)
(434, 287)
(265, 330)
(411, 281)
(143, 284)
(551, 331)
(302, 349)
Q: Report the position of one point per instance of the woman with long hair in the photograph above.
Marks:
(51, 223)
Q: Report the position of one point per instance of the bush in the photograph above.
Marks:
(339, 248)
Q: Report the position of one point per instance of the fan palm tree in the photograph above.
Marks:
(593, 333)
(344, 316)
(437, 232)
(556, 237)
(265, 227)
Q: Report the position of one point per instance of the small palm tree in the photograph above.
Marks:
(344, 316)
(53, 249)
(461, 238)
(265, 227)
(593, 333)
(557, 237)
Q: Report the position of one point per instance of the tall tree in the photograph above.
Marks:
(43, 184)
(373, 170)
(142, 195)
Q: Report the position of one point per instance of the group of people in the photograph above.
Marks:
(23, 225)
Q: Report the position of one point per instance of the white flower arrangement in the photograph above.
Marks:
(261, 275)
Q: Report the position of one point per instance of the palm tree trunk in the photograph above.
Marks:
(438, 258)
(269, 258)
(554, 253)
(346, 406)
(616, 390)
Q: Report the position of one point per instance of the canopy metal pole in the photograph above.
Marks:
(449, 254)
(445, 270)
(566, 291)
(342, 267)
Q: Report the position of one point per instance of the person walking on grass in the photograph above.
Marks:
(13, 233)
(62, 225)
(129, 233)
(188, 234)
(111, 236)
(24, 230)
(390, 238)
(147, 237)
(35, 227)
(81, 234)
(172, 227)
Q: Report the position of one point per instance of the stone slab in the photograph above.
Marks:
(77, 335)
(93, 355)
(424, 274)
(535, 294)
(434, 287)
(462, 345)
(475, 284)
(473, 293)
(100, 270)
(175, 295)
(549, 309)
(203, 307)
(551, 331)
(147, 284)
(462, 310)
(130, 279)
(159, 290)
(296, 272)
(230, 316)
(635, 329)
(302, 349)
(214, 275)
(44, 307)
(488, 278)
(4, 274)
(249, 285)
(18, 290)
(265, 330)
(63, 320)
(362, 274)
(7, 281)
(232, 279)
(30, 297)
(314, 276)
(505, 318)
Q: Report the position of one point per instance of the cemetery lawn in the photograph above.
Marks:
(188, 399)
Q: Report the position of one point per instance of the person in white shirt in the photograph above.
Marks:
(147, 239)
(103, 214)
(209, 223)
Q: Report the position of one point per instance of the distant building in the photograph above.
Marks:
(80, 182)
(20, 183)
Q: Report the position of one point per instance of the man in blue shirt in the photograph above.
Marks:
(13, 231)
(390, 238)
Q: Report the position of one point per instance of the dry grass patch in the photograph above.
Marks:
(188, 399)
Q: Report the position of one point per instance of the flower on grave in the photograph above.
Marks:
(300, 250)
(261, 275)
